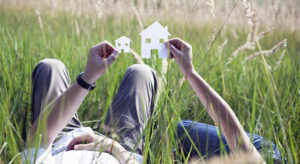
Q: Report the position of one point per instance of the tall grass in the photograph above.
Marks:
(263, 94)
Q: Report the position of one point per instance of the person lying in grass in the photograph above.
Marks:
(57, 134)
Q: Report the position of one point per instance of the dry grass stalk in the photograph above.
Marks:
(234, 34)
(160, 79)
(264, 33)
(274, 7)
(211, 5)
(164, 67)
(283, 43)
(250, 44)
(98, 7)
(292, 16)
(280, 59)
(37, 12)
(136, 56)
(77, 27)
(181, 81)
(268, 52)
(252, 22)
(221, 47)
(211, 41)
(3, 146)
(248, 11)
(235, 53)
(138, 17)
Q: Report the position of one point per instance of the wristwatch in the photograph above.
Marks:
(84, 84)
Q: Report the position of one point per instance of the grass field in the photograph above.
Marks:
(264, 94)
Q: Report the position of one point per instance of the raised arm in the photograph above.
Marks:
(56, 115)
(215, 105)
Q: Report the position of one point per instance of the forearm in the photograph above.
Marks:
(221, 113)
(57, 114)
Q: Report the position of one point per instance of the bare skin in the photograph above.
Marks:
(55, 116)
(100, 58)
(215, 105)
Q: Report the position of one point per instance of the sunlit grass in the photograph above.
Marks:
(265, 100)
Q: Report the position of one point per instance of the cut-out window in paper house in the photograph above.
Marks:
(123, 43)
(152, 38)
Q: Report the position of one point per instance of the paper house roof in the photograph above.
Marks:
(122, 39)
(157, 29)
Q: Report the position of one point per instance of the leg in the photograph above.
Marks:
(50, 79)
(267, 149)
(209, 142)
(205, 137)
(132, 106)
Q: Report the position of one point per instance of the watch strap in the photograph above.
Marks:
(84, 84)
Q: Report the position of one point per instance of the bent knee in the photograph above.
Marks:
(142, 69)
(142, 72)
(51, 63)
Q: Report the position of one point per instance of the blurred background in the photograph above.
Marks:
(268, 13)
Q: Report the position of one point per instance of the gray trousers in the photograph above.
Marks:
(128, 114)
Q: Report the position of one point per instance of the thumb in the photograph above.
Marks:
(112, 57)
(89, 146)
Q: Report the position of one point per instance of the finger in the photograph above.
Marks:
(176, 42)
(90, 146)
(176, 53)
(81, 139)
(108, 49)
(179, 43)
(171, 55)
(104, 49)
(167, 44)
(112, 58)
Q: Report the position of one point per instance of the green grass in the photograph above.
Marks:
(266, 101)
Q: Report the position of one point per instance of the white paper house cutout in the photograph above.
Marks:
(123, 43)
(153, 37)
